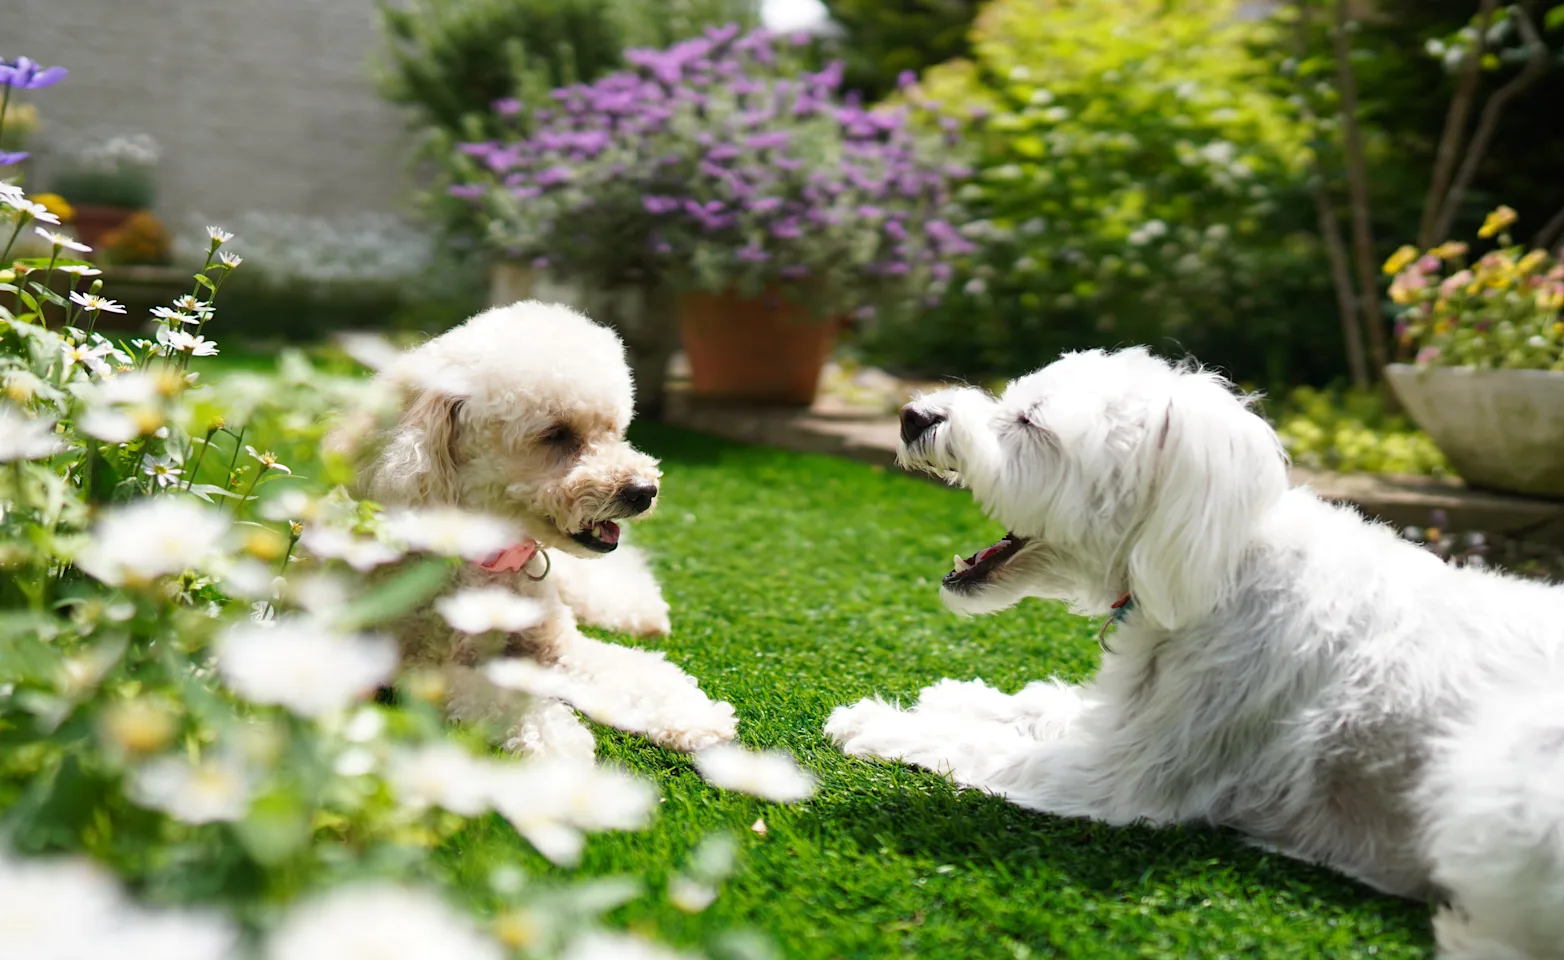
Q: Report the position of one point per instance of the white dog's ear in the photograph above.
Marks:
(419, 462)
(1215, 468)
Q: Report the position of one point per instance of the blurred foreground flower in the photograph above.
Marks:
(299, 663)
(770, 775)
(378, 922)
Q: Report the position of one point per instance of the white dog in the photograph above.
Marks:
(1276, 664)
(520, 414)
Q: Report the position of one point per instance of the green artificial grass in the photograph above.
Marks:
(799, 583)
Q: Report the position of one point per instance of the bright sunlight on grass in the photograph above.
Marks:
(799, 583)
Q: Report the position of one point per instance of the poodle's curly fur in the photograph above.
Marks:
(520, 413)
(1282, 666)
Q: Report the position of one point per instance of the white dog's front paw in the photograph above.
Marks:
(551, 730)
(868, 728)
(716, 723)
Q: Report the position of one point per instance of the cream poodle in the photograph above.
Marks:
(1272, 663)
(520, 414)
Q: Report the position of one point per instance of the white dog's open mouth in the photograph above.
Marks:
(601, 537)
(981, 566)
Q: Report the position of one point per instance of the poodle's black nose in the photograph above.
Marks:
(638, 496)
(915, 423)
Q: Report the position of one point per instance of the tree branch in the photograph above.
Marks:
(1450, 142)
(1328, 224)
(1551, 233)
(1536, 66)
(1357, 187)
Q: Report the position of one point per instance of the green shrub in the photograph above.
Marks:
(450, 60)
(1139, 183)
(882, 40)
(1351, 432)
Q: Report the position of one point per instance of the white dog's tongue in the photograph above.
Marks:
(607, 531)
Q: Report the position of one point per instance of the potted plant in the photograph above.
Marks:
(1487, 383)
(107, 183)
(754, 206)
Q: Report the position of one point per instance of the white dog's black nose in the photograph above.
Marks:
(638, 496)
(915, 423)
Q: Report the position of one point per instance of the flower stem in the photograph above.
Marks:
(190, 473)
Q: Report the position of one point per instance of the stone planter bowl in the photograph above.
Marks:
(1500, 429)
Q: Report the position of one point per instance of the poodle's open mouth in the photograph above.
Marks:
(601, 537)
(982, 565)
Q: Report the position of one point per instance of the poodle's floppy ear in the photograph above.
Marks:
(1215, 468)
(419, 462)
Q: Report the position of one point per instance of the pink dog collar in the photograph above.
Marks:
(515, 557)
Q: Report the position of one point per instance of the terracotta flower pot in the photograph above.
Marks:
(764, 349)
(93, 222)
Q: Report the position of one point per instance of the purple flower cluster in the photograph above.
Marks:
(25, 74)
(719, 163)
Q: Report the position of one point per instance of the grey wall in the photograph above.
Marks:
(256, 104)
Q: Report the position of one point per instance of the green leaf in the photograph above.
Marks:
(203, 281)
(408, 589)
(277, 826)
(206, 491)
(1554, 20)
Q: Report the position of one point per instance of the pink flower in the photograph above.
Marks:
(1455, 282)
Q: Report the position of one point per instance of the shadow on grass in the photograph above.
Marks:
(1133, 864)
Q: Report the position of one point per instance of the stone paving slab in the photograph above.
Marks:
(838, 429)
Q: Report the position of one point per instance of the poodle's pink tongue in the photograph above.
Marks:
(607, 531)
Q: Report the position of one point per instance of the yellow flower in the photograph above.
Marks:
(1532, 261)
(1449, 249)
(56, 205)
(1552, 299)
(1400, 260)
(1497, 220)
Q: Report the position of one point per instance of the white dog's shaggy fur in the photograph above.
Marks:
(520, 413)
(1282, 667)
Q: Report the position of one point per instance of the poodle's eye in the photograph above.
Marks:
(559, 435)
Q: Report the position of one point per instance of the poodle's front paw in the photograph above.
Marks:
(650, 621)
(866, 729)
(717, 723)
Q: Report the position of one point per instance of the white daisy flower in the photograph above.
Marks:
(360, 553)
(369, 349)
(110, 426)
(164, 470)
(174, 316)
(230, 260)
(219, 235)
(202, 347)
(364, 726)
(690, 895)
(92, 303)
(451, 532)
(80, 270)
(378, 922)
(298, 663)
(23, 438)
(83, 354)
(442, 775)
(173, 935)
(528, 677)
(618, 946)
(769, 774)
(37, 211)
(481, 609)
(152, 537)
(208, 791)
(190, 303)
(10, 193)
(57, 907)
(267, 459)
(552, 802)
(61, 240)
